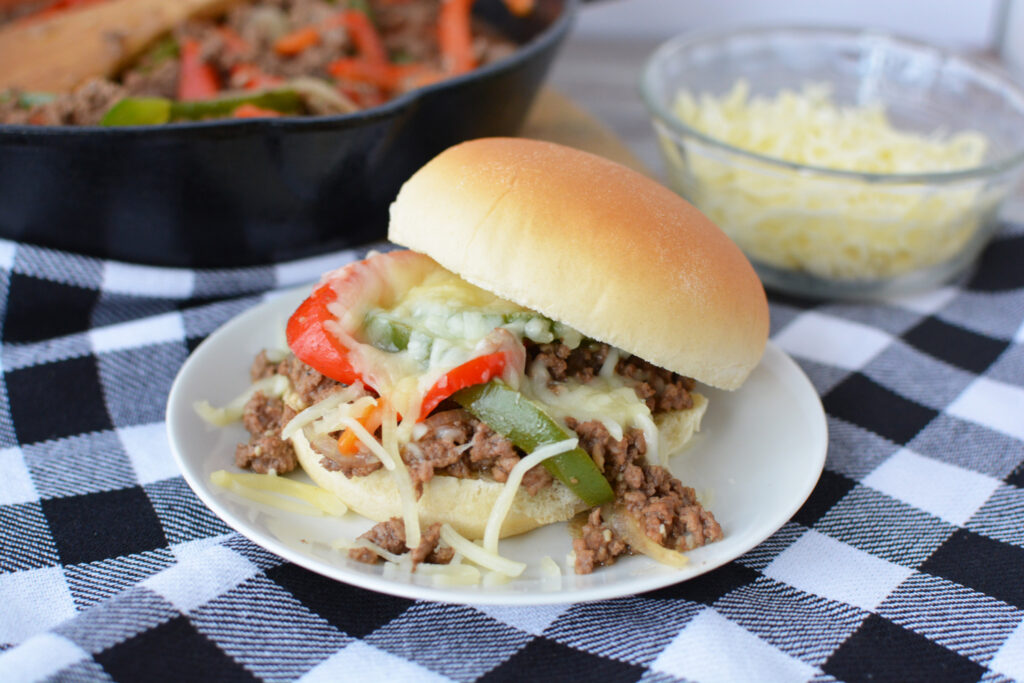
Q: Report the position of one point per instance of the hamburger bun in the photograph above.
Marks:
(467, 503)
(592, 244)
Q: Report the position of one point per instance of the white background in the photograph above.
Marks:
(992, 26)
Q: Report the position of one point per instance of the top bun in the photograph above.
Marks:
(594, 245)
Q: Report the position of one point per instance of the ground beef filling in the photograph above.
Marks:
(310, 386)
(390, 536)
(459, 445)
(662, 390)
(453, 443)
(597, 546)
(265, 451)
(668, 512)
(265, 416)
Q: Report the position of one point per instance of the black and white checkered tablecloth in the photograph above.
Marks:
(906, 563)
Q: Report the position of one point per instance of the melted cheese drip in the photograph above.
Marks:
(608, 398)
(451, 322)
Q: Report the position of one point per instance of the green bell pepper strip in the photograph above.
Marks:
(138, 111)
(386, 334)
(525, 424)
(148, 111)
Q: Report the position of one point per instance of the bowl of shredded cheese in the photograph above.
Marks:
(845, 164)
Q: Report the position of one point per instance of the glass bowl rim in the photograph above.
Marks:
(711, 36)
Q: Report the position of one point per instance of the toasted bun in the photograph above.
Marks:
(592, 244)
(466, 503)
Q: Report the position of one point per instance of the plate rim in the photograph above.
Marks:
(178, 405)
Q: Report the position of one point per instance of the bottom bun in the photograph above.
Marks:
(678, 427)
(466, 503)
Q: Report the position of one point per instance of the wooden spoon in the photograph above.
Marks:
(58, 53)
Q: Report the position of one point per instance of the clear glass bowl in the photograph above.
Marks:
(831, 233)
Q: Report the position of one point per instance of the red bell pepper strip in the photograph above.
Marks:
(314, 345)
(372, 281)
(383, 75)
(454, 36)
(362, 70)
(364, 34)
(297, 42)
(476, 371)
(251, 111)
(198, 80)
(251, 77)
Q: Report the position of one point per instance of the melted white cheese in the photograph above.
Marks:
(608, 398)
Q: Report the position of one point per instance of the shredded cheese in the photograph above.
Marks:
(549, 569)
(450, 575)
(444, 321)
(280, 492)
(400, 475)
(332, 420)
(834, 227)
(503, 504)
(320, 410)
(274, 386)
(474, 553)
(390, 457)
(370, 442)
(494, 579)
(276, 355)
(387, 555)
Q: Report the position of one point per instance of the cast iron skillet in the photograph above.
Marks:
(238, 192)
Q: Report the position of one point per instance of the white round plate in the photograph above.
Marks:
(758, 456)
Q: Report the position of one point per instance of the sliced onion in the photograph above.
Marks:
(626, 527)
(320, 97)
(323, 444)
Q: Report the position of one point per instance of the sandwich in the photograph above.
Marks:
(532, 356)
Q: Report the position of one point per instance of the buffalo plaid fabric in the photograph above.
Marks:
(907, 561)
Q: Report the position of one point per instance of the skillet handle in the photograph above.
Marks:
(57, 53)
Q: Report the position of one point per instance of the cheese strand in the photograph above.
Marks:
(504, 502)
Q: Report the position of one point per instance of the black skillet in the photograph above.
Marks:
(241, 192)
